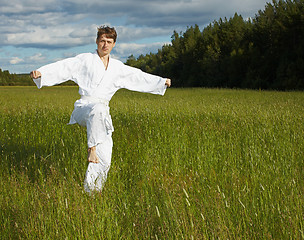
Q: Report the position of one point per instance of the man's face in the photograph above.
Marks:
(104, 45)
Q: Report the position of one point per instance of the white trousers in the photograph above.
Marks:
(95, 117)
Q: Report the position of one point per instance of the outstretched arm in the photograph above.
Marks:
(56, 73)
(135, 79)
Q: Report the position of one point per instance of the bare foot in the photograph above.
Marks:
(92, 156)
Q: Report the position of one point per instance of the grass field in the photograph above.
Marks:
(194, 164)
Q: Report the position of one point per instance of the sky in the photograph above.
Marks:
(34, 33)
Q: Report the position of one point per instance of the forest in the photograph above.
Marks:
(13, 79)
(263, 52)
(8, 79)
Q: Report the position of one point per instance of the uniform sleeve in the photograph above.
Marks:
(58, 72)
(136, 80)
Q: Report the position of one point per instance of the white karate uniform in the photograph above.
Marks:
(97, 85)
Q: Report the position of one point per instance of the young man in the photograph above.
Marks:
(98, 76)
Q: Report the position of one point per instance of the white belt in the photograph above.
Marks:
(107, 117)
(95, 100)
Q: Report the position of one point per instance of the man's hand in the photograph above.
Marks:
(35, 74)
(168, 82)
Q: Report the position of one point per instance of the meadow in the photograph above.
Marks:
(193, 164)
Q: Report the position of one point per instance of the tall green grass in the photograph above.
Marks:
(194, 164)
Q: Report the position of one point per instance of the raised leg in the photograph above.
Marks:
(96, 118)
(96, 173)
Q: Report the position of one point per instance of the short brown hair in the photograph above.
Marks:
(110, 32)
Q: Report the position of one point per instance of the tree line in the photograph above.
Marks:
(265, 52)
(8, 79)
(13, 79)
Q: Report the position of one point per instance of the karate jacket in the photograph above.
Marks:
(95, 81)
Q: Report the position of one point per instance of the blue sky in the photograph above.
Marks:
(34, 33)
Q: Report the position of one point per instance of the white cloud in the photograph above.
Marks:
(51, 37)
(16, 60)
(124, 50)
(26, 6)
(38, 57)
(131, 34)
